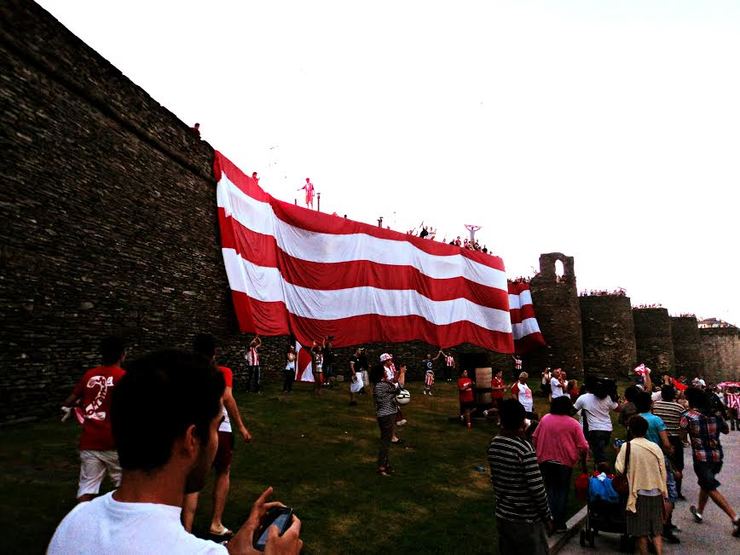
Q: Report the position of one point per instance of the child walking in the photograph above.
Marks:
(428, 381)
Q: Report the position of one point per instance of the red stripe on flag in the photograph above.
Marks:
(370, 328)
(263, 250)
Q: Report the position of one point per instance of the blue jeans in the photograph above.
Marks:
(557, 485)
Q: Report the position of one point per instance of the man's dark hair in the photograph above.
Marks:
(638, 426)
(112, 349)
(697, 399)
(204, 344)
(561, 405)
(631, 393)
(643, 402)
(668, 393)
(512, 415)
(161, 395)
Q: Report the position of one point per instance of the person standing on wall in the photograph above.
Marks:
(93, 393)
(204, 345)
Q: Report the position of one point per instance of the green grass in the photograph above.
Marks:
(319, 454)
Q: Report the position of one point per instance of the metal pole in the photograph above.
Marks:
(318, 202)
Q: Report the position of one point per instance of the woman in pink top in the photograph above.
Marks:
(560, 444)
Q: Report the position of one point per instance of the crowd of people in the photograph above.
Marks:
(158, 471)
(603, 293)
(532, 460)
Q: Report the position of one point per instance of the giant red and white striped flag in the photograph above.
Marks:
(301, 272)
(524, 326)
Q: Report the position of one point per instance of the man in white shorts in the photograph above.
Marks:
(91, 400)
(165, 419)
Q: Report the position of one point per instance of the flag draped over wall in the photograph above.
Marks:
(524, 326)
(297, 271)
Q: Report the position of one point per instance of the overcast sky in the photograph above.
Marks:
(606, 130)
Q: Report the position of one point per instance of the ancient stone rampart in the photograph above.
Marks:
(609, 346)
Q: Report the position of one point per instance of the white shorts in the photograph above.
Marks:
(93, 466)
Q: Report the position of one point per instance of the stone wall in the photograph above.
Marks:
(654, 339)
(687, 346)
(109, 217)
(721, 349)
(559, 315)
(609, 346)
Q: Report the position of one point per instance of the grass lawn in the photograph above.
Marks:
(319, 454)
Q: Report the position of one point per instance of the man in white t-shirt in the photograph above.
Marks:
(598, 421)
(556, 384)
(522, 393)
(165, 416)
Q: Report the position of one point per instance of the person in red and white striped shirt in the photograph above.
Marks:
(254, 377)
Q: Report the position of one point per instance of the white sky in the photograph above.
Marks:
(607, 130)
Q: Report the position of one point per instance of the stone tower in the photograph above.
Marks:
(721, 348)
(609, 347)
(559, 315)
(654, 339)
(687, 346)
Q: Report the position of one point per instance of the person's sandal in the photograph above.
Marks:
(224, 533)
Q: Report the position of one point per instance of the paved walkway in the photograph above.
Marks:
(712, 535)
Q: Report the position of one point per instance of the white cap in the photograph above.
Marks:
(384, 357)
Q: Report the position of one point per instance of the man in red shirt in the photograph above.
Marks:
(467, 399)
(205, 345)
(90, 400)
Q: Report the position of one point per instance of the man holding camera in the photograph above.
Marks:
(165, 416)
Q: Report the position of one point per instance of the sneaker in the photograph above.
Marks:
(697, 515)
(430, 393)
(425, 392)
(401, 422)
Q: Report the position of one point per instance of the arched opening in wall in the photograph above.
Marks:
(559, 270)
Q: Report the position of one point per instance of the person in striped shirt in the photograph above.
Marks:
(523, 515)
(670, 412)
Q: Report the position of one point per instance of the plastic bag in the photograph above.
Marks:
(600, 488)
